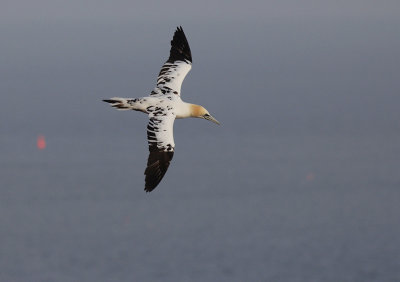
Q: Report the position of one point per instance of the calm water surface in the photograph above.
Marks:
(300, 183)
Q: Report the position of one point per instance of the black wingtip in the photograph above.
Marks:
(180, 50)
(157, 165)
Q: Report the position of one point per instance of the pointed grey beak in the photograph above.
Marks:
(211, 118)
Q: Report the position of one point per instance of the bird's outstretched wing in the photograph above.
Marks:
(161, 146)
(179, 63)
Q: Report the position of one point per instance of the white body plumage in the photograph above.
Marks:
(163, 106)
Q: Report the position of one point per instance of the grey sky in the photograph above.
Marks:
(300, 182)
(152, 10)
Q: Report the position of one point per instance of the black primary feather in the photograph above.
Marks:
(180, 50)
(157, 165)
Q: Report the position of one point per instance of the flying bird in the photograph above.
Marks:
(164, 105)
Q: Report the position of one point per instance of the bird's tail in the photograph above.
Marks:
(121, 103)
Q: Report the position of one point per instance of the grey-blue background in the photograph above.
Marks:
(300, 183)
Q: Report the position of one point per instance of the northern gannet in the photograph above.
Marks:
(163, 106)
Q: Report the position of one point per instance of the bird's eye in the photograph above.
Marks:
(206, 115)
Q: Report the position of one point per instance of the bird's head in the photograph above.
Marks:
(201, 112)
